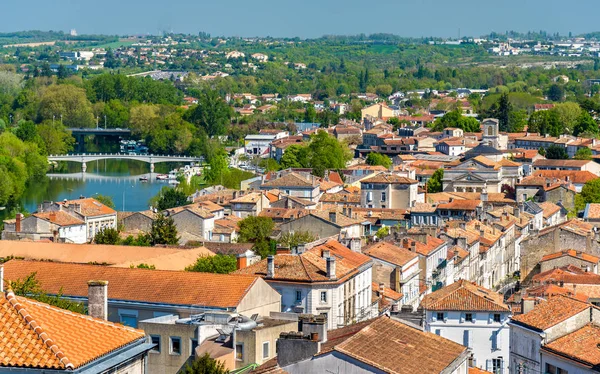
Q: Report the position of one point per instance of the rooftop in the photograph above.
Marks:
(89, 207)
(40, 336)
(390, 253)
(388, 178)
(59, 218)
(142, 285)
(581, 345)
(571, 253)
(552, 312)
(567, 274)
(465, 296)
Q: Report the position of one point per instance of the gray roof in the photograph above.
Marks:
(532, 208)
(481, 150)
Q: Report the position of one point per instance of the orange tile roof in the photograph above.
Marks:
(465, 296)
(210, 206)
(340, 197)
(460, 205)
(388, 178)
(251, 198)
(486, 161)
(153, 286)
(291, 179)
(567, 274)
(283, 213)
(394, 347)
(549, 208)
(575, 176)
(310, 266)
(571, 253)
(196, 209)
(423, 249)
(387, 292)
(552, 312)
(59, 218)
(89, 207)
(40, 336)
(390, 253)
(478, 371)
(560, 163)
(340, 219)
(580, 345)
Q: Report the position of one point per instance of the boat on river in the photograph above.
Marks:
(143, 178)
(162, 177)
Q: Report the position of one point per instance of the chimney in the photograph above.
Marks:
(413, 246)
(382, 289)
(242, 261)
(282, 250)
(98, 299)
(301, 248)
(332, 216)
(19, 217)
(270, 266)
(331, 268)
(527, 304)
(326, 253)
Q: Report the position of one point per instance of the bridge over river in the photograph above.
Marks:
(84, 158)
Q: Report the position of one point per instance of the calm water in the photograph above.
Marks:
(118, 179)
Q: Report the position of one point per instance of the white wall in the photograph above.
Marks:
(73, 234)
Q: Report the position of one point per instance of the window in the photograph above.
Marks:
(369, 196)
(438, 332)
(469, 317)
(128, 317)
(383, 196)
(323, 296)
(175, 345)
(496, 341)
(239, 352)
(298, 296)
(551, 369)
(497, 366)
(497, 318)
(193, 346)
(440, 316)
(468, 338)
(265, 350)
(156, 342)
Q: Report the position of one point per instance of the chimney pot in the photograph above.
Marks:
(242, 261)
(98, 299)
(271, 266)
(18, 219)
(326, 253)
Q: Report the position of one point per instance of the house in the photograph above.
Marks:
(341, 198)
(576, 178)
(136, 221)
(388, 190)
(379, 110)
(294, 184)
(433, 253)
(592, 214)
(280, 215)
(474, 317)
(300, 98)
(451, 146)
(40, 338)
(552, 213)
(577, 165)
(194, 221)
(566, 257)
(57, 226)
(249, 205)
(382, 345)
(543, 338)
(226, 230)
(260, 144)
(329, 223)
(328, 279)
(96, 215)
(388, 300)
(541, 189)
(139, 294)
(479, 173)
(396, 268)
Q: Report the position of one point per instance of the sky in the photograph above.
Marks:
(305, 19)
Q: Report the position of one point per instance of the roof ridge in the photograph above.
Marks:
(39, 331)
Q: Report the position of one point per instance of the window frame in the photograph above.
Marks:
(323, 297)
(157, 349)
(298, 300)
(468, 317)
(239, 353)
(438, 316)
(173, 339)
(268, 345)
(499, 319)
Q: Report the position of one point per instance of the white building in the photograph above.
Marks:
(328, 279)
(56, 226)
(474, 317)
(260, 144)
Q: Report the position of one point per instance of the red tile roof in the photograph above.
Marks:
(89, 207)
(153, 286)
(465, 296)
(394, 347)
(571, 253)
(390, 253)
(59, 218)
(581, 345)
(387, 178)
(567, 274)
(552, 312)
(40, 336)
(423, 249)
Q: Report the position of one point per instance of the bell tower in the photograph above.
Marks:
(491, 128)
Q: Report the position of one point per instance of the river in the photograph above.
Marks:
(118, 179)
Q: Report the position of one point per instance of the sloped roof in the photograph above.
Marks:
(390, 253)
(567, 274)
(571, 253)
(575, 176)
(389, 178)
(552, 312)
(291, 179)
(90, 207)
(40, 336)
(340, 219)
(481, 149)
(465, 296)
(581, 345)
(59, 218)
(142, 285)
(549, 208)
(394, 347)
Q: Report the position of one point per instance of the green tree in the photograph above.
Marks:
(295, 156)
(585, 125)
(67, 101)
(163, 231)
(220, 264)
(212, 113)
(269, 164)
(143, 266)
(556, 152)
(170, 198)
(108, 236)
(517, 120)
(218, 167)
(31, 288)
(106, 200)
(555, 93)
(257, 230)
(55, 137)
(434, 184)
(545, 122)
(382, 232)
(503, 112)
(27, 131)
(542, 151)
(568, 115)
(293, 239)
(326, 152)
(379, 159)
(205, 365)
(583, 154)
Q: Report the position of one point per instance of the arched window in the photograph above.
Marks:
(491, 131)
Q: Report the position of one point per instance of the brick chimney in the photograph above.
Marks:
(98, 299)
(270, 266)
(331, 268)
(18, 219)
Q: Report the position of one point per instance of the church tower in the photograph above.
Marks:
(491, 133)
